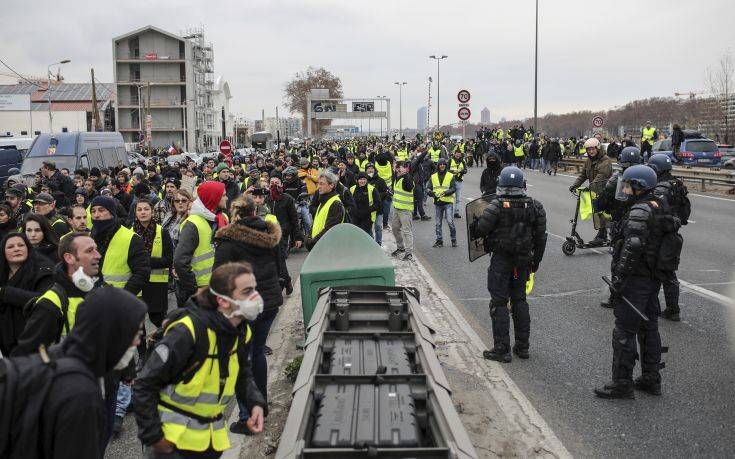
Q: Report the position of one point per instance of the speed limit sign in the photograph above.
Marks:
(597, 121)
(464, 113)
(463, 96)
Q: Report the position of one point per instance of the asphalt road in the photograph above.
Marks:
(571, 334)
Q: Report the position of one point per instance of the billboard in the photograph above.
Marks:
(15, 102)
(363, 106)
(321, 107)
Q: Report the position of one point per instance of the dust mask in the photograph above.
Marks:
(248, 308)
(82, 281)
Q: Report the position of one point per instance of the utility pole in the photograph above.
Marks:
(48, 93)
(535, 80)
(400, 105)
(147, 114)
(278, 130)
(438, 60)
(428, 108)
(224, 124)
(96, 125)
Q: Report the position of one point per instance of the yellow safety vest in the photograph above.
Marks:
(434, 153)
(442, 187)
(402, 154)
(89, 216)
(158, 275)
(71, 312)
(647, 135)
(402, 200)
(461, 147)
(200, 396)
(456, 167)
(202, 262)
(320, 220)
(370, 189)
(385, 172)
(115, 269)
(271, 218)
(518, 151)
(361, 164)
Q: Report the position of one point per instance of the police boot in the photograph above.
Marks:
(607, 303)
(521, 349)
(499, 353)
(671, 314)
(617, 388)
(624, 357)
(650, 382)
(438, 243)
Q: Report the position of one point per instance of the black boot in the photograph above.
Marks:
(499, 354)
(649, 382)
(624, 357)
(607, 303)
(617, 388)
(521, 350)
(671, 314)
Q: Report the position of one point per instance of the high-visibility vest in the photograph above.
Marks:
(582, 151)
(361, 164)
(320, 219)
(115, 269)
(647, 135)
(434, 153)
(402, 200)
(89, 216)
(71, 312)
(402, 154)
(158, 275)
(201, 396)
(456, 167)
(271, 218)
(460, 146)
(370, 189)
(518, 151)
(202, 262)
(385, 172)
(443, 186)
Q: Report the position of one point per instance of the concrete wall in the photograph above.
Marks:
(17, 121)
(153, 42)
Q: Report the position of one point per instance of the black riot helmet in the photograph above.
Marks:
(511, 182)
(660, 163)
(640, 177)
(630, 156)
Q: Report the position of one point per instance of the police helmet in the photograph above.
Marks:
(640, 177)
(660, 162)
(511, 182)
(630, 156)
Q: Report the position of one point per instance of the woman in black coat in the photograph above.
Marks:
(251, 239)
(23, 275)
(41, 236)
(7, 223)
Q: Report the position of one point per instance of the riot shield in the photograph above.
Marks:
(473, 210)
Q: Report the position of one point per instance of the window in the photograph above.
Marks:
(701, 146)
(83, 163)
(95, 157)
(109, 157)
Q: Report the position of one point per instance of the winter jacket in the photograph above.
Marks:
(139, 261)
(255, 241)
(489, 178)
(348, 203)
(335, 216)
(184, 252)
(179, 346)
(285, 211)
(597, 170)
(31, 280)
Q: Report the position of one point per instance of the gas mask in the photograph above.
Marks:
(248, 308)
(82, 281)
(125, 359)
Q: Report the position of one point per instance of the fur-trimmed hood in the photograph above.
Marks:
(254, 232)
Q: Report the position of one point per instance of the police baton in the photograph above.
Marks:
(614, 290)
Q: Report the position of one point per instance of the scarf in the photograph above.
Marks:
(147, 233)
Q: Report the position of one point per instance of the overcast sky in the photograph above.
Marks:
(592, 54)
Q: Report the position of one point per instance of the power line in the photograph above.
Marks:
(18, 74)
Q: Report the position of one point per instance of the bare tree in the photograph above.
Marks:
(296, 90)
(720, 81)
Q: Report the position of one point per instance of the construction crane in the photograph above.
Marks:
(691, 94)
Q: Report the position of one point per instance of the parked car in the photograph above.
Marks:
(135, 157)
(12, 151)
(700, 152)
(75, 150)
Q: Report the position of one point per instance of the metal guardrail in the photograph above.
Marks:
(703, 176)
(370, 383)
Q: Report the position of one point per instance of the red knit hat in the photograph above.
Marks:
(210, 193)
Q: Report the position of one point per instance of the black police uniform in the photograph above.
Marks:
(673, 192)
(636, 254)
(515, 236)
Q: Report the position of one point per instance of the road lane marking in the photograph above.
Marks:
(708, 294)
(711, 197)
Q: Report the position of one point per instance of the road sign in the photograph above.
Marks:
(463, 105)
(225, 147)
(148, 128)
(464, 113)
(463, 96)
(597, 121)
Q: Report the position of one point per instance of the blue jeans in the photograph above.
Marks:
(260, 327)
(378, 228)
(386, 210)
(306, 222)
(444, 211)
(457, 194)
(124, 395)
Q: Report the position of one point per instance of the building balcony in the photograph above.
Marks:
(157, 82)
(155, 128)
(155, 103)
(150, 57)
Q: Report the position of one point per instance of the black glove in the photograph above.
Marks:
(573, 188)
(533, 266)
(617, 285)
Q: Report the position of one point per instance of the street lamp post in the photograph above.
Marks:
(400, 105)
(382, 101)
(438, 59)
(48, 93)
(535, 80)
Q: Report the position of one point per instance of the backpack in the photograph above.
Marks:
(666, 231)
(681, 203)
(24, 385)
(61, 293)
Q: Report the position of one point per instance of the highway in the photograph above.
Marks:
(571, 334)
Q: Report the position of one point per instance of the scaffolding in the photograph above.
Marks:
(202, 61)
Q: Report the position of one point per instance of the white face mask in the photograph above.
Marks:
(248, 309)
(125, 359)
(82, 281)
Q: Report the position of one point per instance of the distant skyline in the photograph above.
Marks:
(584, 63)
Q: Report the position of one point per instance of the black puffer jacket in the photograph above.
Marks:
(255, 241)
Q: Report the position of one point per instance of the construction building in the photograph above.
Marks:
(287, 127)
(169, 80)
(422, 119)
(485, 116)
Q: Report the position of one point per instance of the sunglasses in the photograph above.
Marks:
(180, 201)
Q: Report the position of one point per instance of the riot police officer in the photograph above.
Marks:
(634, 279)
(612, 200)
(514, 230)
(673, 191)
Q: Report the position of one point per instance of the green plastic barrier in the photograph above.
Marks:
(345, 255)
